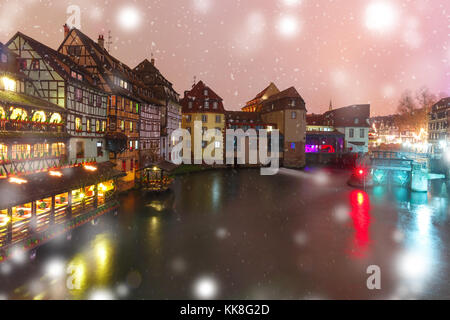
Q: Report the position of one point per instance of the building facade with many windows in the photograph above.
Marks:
(61, 82)
(438, 125)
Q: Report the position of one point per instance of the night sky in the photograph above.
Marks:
(350, 51)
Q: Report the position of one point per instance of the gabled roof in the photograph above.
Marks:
(351, 116)
(152, 77)
(288, 93)
(262, 93)
(56, 60)
(197, 97)
(113, 65)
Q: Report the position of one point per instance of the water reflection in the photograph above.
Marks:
(360, 214)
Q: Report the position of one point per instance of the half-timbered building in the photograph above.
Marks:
(127, 95)
(169, 99)
(60, 81)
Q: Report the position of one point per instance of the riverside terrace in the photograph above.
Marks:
(39, 206)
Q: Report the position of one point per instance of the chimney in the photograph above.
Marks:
(66, 30)
(101, 41)
(153, 61)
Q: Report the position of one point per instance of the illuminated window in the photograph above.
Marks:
(40, 150)
(2, 113)
(21, 151)
(78, 124)
(39, 116)
(103, 126)
(56, 118)
(58, 149)
(78, 94)
(19, 114)
(136, 145)
(122, 125)
(3, 152)
(88, 125)
(131, 126)
(97, 125)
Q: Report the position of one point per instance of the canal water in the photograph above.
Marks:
(231, 234)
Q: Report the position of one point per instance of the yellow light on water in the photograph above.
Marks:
(90, 168)
(55, 174)
(17, 180)
(4, 219)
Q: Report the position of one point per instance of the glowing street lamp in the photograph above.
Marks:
(90, 168)
(17, 180)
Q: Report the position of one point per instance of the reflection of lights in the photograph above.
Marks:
(101, 295)
(423, 220)
(157, 205)
(360, 215)
(77, 274)
(55, 173)
(4, 219)
(90, 168)
(17, 180)
(18, 255)
(102, 249)
(55, 269)
(205, 288)
(360, 198)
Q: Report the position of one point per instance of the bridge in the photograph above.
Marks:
(400, 168)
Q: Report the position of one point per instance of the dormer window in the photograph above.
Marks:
(215, 104)
(356, 121)
(190, 105)
(205, 92)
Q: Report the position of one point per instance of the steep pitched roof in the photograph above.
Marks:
(197, 97)
(113, 65)
(59, 62)
(288, 93)
(152, 77)
(351, 116)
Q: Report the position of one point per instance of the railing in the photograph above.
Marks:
(29, 126)
(24, 228)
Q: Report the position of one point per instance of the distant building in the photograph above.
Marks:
(353, 122)
(167, 97)
(321, 138)
(202, 104)
(287, 110)
(255, 105)
(438, 125)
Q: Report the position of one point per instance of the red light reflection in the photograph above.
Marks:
(360, 214)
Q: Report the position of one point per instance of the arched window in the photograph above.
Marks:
(39, 116)
(18, 114)
(56, 118)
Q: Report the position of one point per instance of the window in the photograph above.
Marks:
(362, 133)
(136, 145)
(293, 114)
(293, 105)
(40, 150)
(215, 105)
(35, 64)
(3, 152)
(188, 118)
(206, 104)
(218, 119)
(74, 51)
(88, 125)
(205, 92)
(356, 120)
(131, 126)
(4, 58)
(78, 124)
(190, 105)
(20, 151)
(217, 144)
(122, 125)
(78, 94)
(99, 149)
(103, 126)
(58, 149)
(352, 133)
(80, 149)
(97, 126)
(99, 101)
(204, 118)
